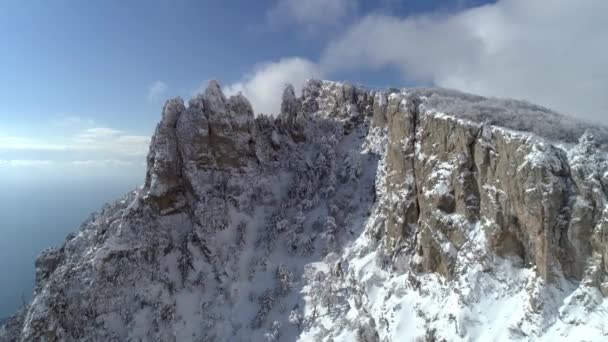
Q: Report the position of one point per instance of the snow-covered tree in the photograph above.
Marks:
(285, 280)
(296, 318)
(275, 332)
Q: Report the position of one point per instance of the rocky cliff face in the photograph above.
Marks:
(354, 214)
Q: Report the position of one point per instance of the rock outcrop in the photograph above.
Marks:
(354, 214)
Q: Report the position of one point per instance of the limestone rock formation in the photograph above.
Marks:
(353, 214)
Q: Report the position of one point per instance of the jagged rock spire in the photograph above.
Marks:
(212, 133)
(215, 101)
(239, 105)
(171, 110)
(197, 102)
(290, 116)
(164, 167)
(289, 104)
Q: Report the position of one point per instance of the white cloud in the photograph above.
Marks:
(93, 163)
(551, 52)
(96, 141)
(73, 121)
(157, 90)
(313, 16)
(265, 85)
(25, 163)
(21, 143)
(418, 46)
(96, 133)
(112, 140)
(104, 162)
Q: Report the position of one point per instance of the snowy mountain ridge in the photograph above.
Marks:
(353, 215)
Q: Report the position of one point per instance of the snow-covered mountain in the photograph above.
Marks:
(353, 215)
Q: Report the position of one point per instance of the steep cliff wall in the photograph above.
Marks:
(353, 214)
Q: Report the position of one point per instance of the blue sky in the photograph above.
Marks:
(98, 59)
(83, 82)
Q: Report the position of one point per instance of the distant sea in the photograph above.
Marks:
(36, 214)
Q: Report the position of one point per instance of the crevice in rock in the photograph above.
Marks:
(474, 205)
(415, 121)
(561, 227)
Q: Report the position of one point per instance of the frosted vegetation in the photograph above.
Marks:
(512, 114)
